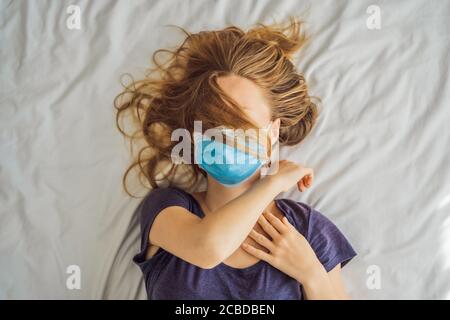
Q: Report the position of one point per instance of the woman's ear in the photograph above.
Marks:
(275, 130)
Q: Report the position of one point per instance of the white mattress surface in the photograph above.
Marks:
(380, 150)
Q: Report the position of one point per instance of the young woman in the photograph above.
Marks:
(233, 240)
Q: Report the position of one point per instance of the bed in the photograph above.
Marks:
(380, 150)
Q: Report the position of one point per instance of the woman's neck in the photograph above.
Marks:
(217, 195)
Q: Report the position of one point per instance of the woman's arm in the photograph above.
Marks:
(207, 242)
(338, 284)
(291, 253)
(323, 285)
(318, 285)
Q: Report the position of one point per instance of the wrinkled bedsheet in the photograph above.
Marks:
(380, 150)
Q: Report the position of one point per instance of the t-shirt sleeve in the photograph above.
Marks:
(328, 242)
(156, 201)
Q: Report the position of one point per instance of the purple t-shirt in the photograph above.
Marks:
(168, 277)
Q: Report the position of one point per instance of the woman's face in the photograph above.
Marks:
(248, 95)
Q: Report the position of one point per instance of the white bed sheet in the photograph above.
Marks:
(381, 148)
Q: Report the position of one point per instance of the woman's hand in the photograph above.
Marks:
(290, 173)
(289, 251)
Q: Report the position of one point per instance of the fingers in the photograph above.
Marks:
(287, 223)
(300, 186)
(310, 178)
(262, 240)
(275, 222)
(257, 253)
(267, 227)
(306, 181)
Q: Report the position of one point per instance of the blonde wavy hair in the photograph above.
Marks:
(184, 88)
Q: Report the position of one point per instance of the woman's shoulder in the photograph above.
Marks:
(297, 212)
(163, 194)
(303, 216)
(168, 190)
(329, 243)
(159, 198)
